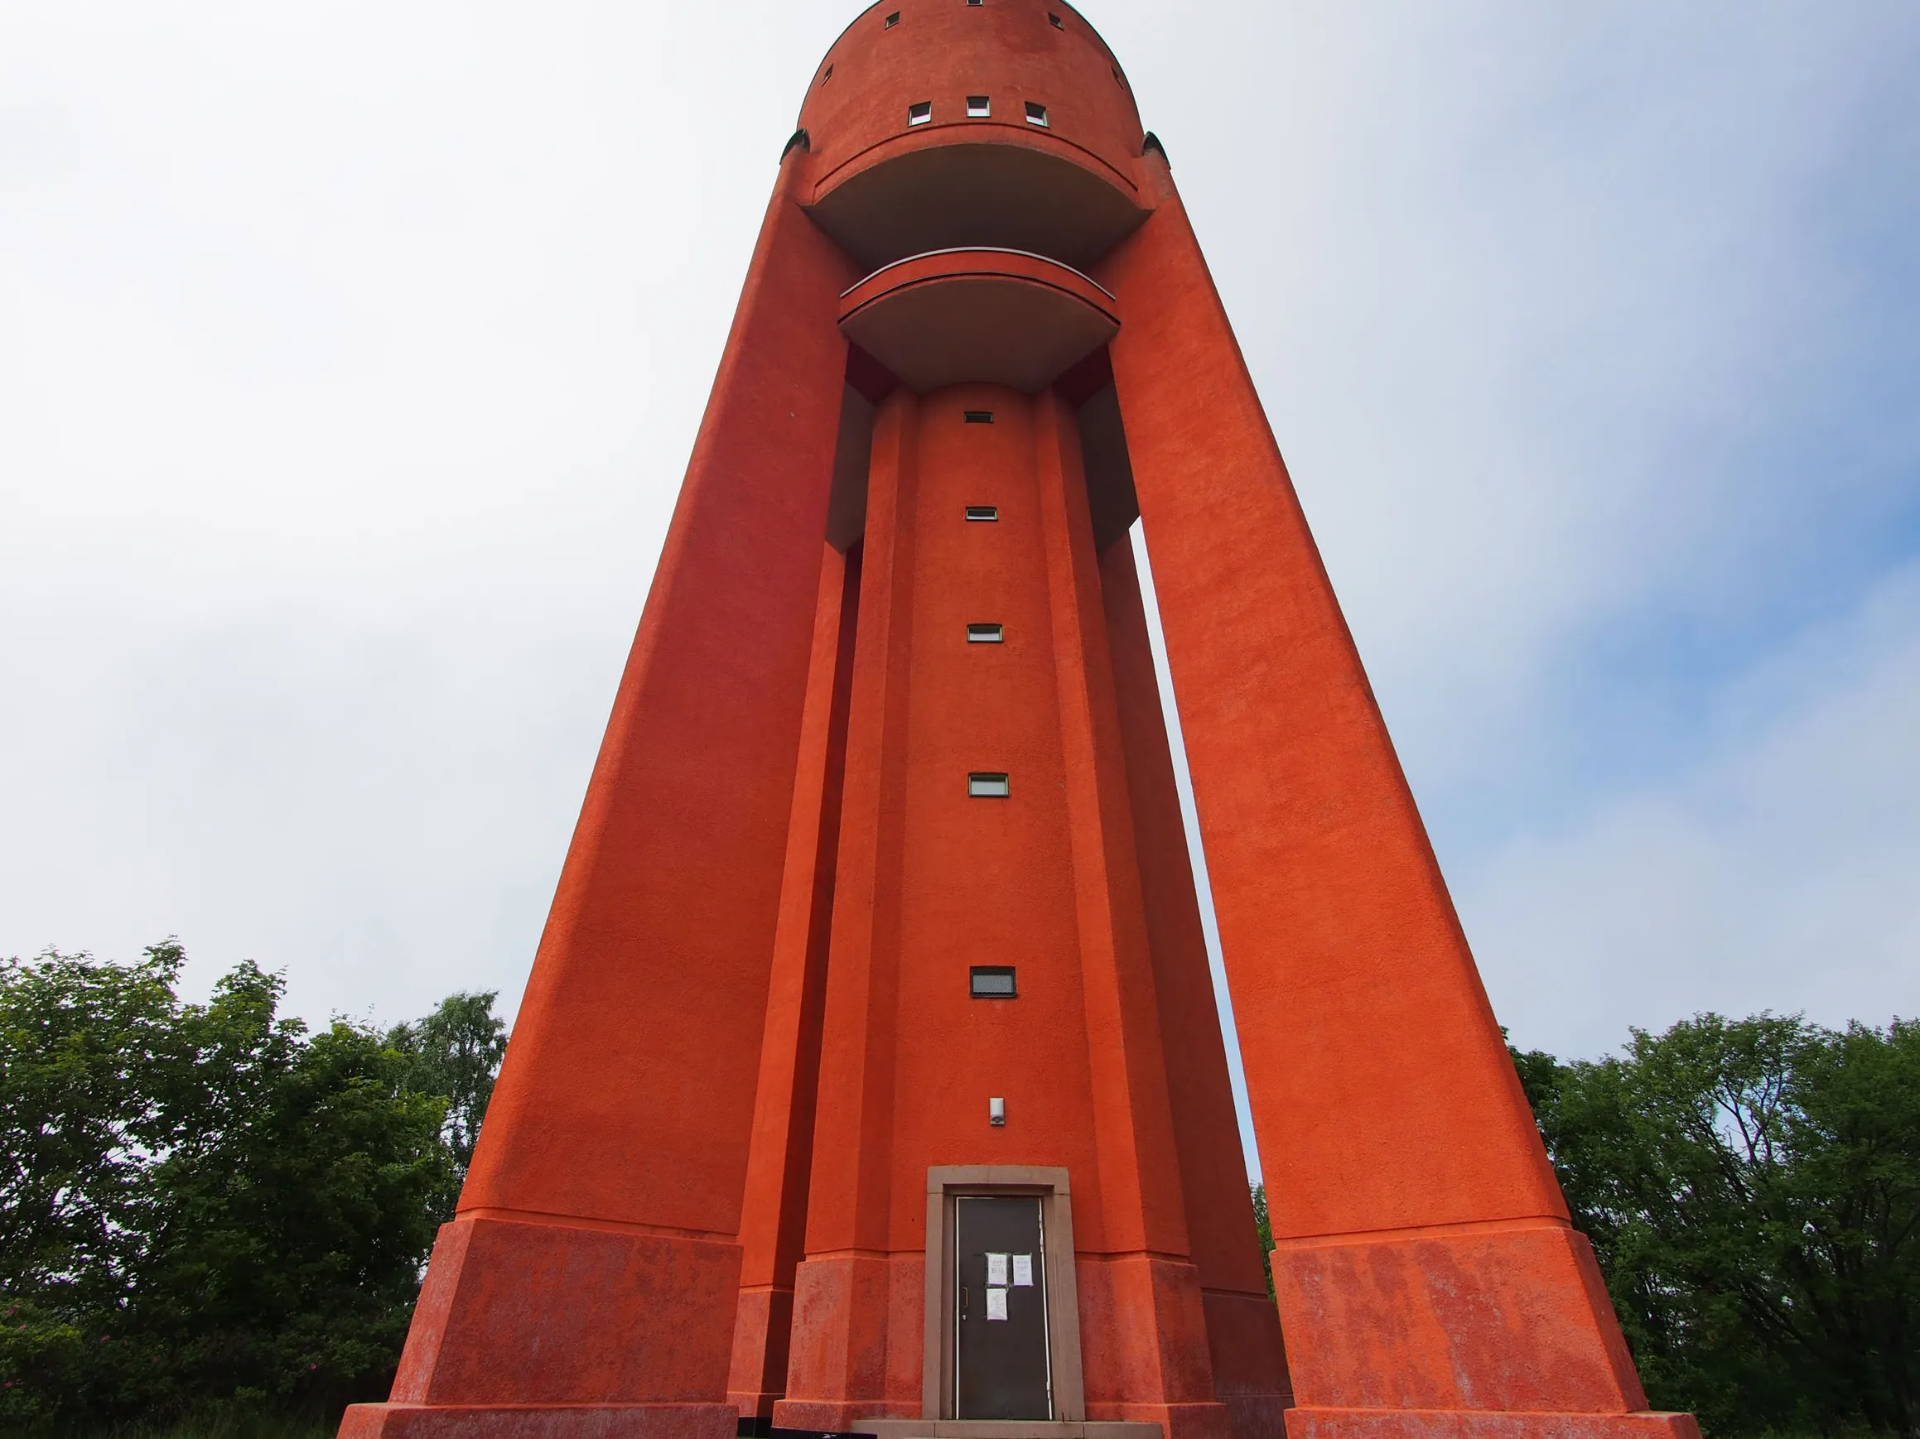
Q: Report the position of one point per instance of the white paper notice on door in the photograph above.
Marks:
(996, 1304)
(996, 1269)
(1023, 1269)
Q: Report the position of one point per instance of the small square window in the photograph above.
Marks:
(985, 635)
(828, 76)
(1036, 114)
(976, 2)
(987, 786)
(978, 417)
(983, 512)
(920, 113)
(892, 20)
(978, 107)
(992, 981)
(1054, 20)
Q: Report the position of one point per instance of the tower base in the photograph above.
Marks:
(540, 1421)
(1485, 1424)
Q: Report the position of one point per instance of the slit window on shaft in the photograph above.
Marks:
(992, 981)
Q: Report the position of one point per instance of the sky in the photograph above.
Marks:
(351, 354)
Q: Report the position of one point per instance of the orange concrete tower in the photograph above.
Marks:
(869, 1076)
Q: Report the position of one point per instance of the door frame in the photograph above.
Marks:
(945, 1182)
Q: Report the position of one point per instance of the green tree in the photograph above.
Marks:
(1752, 1188)
(292, 1230)
(92, 1067)
(213, 1205)
(1263, 1228)
(456, 1052)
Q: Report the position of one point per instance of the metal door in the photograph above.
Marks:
(1000, 1363)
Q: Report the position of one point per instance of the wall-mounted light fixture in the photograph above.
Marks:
(996, 1111)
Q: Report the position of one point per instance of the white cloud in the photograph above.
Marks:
(1782, 874)
(351, 357)
(1540, 302)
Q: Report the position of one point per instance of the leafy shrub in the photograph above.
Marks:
(206, 1208)
(1752, 1189)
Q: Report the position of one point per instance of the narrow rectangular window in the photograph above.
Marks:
(983, 512)
(828, 76)
(1036, 114)
(987, 786)
(977, 417)
(985, 635)
(979, 107)
(920, 112)
(892, 20)
(992, 981)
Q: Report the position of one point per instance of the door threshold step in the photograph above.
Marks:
(1006, 1429)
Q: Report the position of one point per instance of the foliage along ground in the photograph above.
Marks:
(213, 1221)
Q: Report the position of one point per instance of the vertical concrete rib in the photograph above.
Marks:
(773, 1229)
(841, 1299)
(1149, 1360)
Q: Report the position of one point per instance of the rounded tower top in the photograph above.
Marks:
(940, 123)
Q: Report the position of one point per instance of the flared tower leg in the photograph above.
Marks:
(588, 1283)
(1428, 1279)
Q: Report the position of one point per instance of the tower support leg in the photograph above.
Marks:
(587, 1286)
(1428, 1280)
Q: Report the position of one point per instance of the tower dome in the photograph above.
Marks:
(936, 124)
